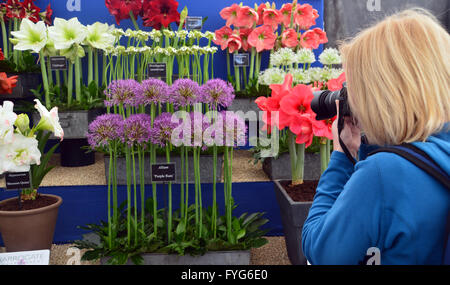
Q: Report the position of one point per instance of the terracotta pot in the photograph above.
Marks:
(30, 229)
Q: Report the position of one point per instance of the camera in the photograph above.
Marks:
(324, 104)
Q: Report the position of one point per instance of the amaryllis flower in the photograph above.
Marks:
(289, 38)
(222, 36)
(217, 92)
(286, 12)
(313, 38)
(243, 34)
(46, 16)
(297, 102)
(153, 91)
(230, 14)
(336, 84)
(185, 92)
(18, 155)
(121, 9)
(2, 56)
(31, 10)
(7, 83)
(246, 18)
(272, 17)
(260, 11)
(15, 9)
(323, 128)
(104, 130)
(122, 92)
(3, 12)
(7, 120)
(234, 44)
(305, 16)
(158, 13)
(137, 129)
(163, 127)
(49, 120)
(262, 38)
(301, 126)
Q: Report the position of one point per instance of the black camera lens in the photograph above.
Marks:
(324, 104)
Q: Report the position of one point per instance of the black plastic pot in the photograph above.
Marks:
(74, 155)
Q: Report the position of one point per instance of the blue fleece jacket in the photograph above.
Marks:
(383, 201)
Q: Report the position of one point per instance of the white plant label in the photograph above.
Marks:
(73, 5)
(36, 257)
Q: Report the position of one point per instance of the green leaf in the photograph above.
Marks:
(240, 234)
(181, 228)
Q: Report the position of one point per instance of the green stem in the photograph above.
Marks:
(96, 66)
(5, 39)
(90, 65)
(323, 156)
(48, 103)
(214, 213)
(133, 19)
(109, 197)
(135, 197)
(128, 163)
(237, 77)
(70, 84)
(78, 79)
(169, 229)
(228, 65)
(49, 72)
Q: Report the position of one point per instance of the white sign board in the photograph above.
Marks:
(37, 257)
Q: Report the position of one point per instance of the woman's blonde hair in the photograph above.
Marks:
(398, 77)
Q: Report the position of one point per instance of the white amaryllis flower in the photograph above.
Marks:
(65, 33)
(49, 120)
(7, 120)
(99, 36)
(30, 36)
(18, 155)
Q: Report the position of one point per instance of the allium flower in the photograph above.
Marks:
(229, 130)
(305, 56)
(18, 155)
(136, 129)
(30, 36)
(104, 130)
(163, 126)
(217, 92)
(300, 76)
(190, 131)
(330, 73)
(262, 38)
(185, 92)
(272, 76)
(153, 91)
(122, 92)
(289, 38)
(315, 74)
(283, 57)
(330, 56)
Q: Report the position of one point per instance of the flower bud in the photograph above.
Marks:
(22, 123)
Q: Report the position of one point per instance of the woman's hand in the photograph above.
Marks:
(350, 135)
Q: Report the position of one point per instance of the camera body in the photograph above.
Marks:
(324, 104)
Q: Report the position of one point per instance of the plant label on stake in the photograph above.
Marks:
(241, 59)
(58, 63)
(18, 181)
(157, 70)
(194, 23)
(163, 173)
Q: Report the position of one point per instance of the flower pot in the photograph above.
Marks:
(280, 168)
(206, 170)
(25, 82)
(29, 229)
(74, 154)
(293, 216)
(210, 258)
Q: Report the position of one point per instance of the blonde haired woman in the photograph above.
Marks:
(398, 78)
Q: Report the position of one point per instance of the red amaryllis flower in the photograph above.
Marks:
(3, 12)
(159, 13)
(262, 38)
(234, 43)
(323, 128)
(246, 18)
(243, 34)
(31, 10)
(222, 36)
(2, 56)
(289, 38)
(15, 9)
(298, 101)
(301, 125)
(323, 39)
(230, 14)
(305, 16)
(121, 9)
(260, 11)
(286, 11)
(7, 84)
(46, 16)
(272, 18)
(316, 86)
(336, 84)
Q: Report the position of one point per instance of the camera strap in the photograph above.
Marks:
(341, 125)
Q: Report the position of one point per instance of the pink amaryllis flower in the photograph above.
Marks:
(262, 38)
(305, 16)
(323, 128)
(289, 38)
(313, 38)
(302, 127)
(230, 14)
(243, 34)
(222, 36)
(336, 84)
(286, 11)
(246, 18)
(260, 11)
(234, 44)
(272, 17)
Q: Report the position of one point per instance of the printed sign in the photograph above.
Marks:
(241, 59)
(18, 180)
(194, 23)
(58, 63)
(36, 257)
(157, 70)
(163, 173)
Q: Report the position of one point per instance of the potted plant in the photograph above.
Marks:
(28, 221)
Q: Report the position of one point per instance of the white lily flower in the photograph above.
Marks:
(30, 36)
(65, 33)
(49, 120)
(18, 155)
(7, 120)
(99, 36)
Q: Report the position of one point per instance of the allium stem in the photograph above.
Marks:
(169, 229)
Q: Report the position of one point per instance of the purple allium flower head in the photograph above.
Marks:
(137, 129)
(217, 92)
(154, 91)
(185, 92)
(122, 92)
(163, 127)
(193, 128)
(228, 129)
(105, 129)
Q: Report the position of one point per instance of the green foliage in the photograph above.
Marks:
(27, 63)
(38, 172)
